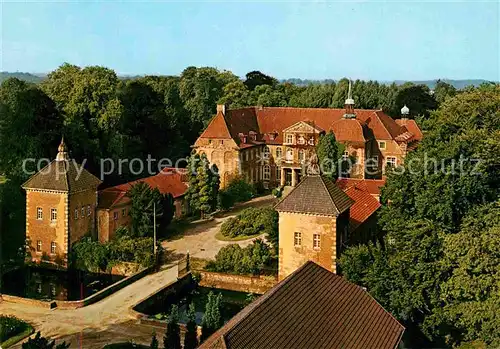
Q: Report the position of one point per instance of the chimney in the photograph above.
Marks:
(221, 108)
(349, 104)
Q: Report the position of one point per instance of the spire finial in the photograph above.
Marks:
(349, 104)
(62, 154)
(349, 100)
(405, 111)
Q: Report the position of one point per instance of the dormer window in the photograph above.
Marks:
(301, 140)
(289, 138)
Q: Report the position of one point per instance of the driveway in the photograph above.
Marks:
(199, 237)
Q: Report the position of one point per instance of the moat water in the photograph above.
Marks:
(232, 302)
(48, 284)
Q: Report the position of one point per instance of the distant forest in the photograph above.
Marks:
(458, 84)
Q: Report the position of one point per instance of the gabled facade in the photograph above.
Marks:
(270, 144)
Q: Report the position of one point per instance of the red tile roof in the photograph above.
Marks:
(364, 206)
(371, 186)
(312, 308)
(267, 120)
(170, 180)
(412, 127)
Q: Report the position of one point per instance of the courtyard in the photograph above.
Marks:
(199, 238)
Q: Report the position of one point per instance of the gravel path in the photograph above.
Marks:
(199, 238)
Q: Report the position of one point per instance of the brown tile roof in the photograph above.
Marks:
(170, 180)
(267, 120)
(412, 127)
(64, 176)
(371, 186)
(312, 308)
(365, 205)
(315, 195)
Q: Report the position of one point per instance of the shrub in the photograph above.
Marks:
(234, 259)
(238, 190)
(277, 192)
(251, 221)
(11, 326)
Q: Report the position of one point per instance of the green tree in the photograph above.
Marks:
(416, 97)
(204, 184)
(154, 342)
(39, 342)
(435, 273)
(236, 95)
(211, 320)
(144, 198)
(191, 336)
(443, 91)
(256, 78)
(329, 153)
(172, 338)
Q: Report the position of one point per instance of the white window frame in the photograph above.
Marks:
(391, 163)
(302, 155)
(83, 211)
(297, 239)
(39, 246)
(380, 145)
(345, 156)
(289, 157)
(115, 216)
(289, 138)
(311, 140)
(88, 210)
(53, 247)
(279, 153)
(278, 173)
(316, 241)
(53, 214)
(266, 153)
(267, 172)
(301, 140)
(39, 213)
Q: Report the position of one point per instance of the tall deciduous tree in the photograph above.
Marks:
(256, 78)
(416, 97)
(436, 272)
(144, 198)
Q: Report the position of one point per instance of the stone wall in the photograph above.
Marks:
(241, 283)
(291, 256)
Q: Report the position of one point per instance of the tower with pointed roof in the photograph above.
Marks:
(61, 200)
(349, 104)
(313, 224)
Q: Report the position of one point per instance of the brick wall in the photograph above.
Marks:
(291, 257)
(45, 230)
(83, 223)
(241, 283)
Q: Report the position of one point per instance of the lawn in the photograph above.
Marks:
(12, 330)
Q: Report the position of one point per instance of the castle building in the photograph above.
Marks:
(273, 144)
(63, 204)
(61, 200)
(317, 219)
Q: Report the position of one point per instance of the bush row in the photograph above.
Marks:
(251, 221)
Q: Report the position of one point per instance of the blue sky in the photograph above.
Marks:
(317, 40)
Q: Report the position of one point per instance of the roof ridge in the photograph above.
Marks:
(322, 177)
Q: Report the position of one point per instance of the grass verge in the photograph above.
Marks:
(221, 237)
(19, 337)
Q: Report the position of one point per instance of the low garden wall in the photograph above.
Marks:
(241, 283)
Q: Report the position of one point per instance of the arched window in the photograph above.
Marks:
(266, 153)
(301, 155)
(278, 153)
(289, 154)
(267, 172)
